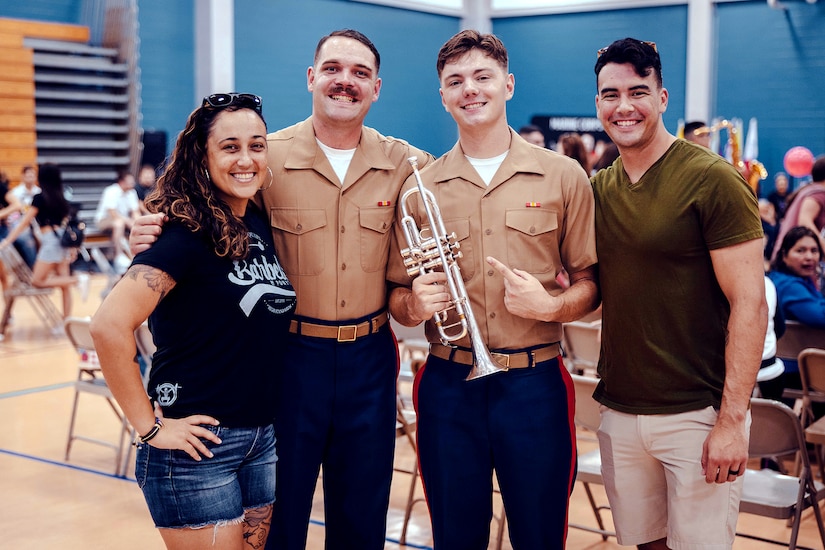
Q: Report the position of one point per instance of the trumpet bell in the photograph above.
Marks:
(485, 367)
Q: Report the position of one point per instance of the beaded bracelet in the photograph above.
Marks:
(153, 432)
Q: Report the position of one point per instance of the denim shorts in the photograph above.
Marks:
(182, 492)
(51, 251)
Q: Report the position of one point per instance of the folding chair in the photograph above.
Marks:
(582, 343)
(798, 337)
(812, 374)
(90, 380)
(405, 429)
(20, 286)
(776, 431)
(589, 464)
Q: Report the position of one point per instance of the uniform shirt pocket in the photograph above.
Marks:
(376, 223)
(299, 239)
(532, 239)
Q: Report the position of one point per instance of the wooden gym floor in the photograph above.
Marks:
(47, 502)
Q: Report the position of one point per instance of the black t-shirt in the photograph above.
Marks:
(220, 332)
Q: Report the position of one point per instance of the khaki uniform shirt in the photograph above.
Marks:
(333, 240)
(536, 215)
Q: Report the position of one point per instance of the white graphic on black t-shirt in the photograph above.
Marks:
(167, 393)
(267, 279)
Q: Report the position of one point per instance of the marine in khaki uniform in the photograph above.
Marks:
(332, 208)
(512, 204)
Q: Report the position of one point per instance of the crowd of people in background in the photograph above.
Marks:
(35, 210)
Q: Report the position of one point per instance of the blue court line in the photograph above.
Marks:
(64, 465)
(27, 391)
(133, 480)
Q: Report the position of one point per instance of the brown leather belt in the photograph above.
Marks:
(341, 333)
(518, 360)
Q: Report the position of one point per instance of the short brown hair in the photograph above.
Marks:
(467, 40)
(355, 35)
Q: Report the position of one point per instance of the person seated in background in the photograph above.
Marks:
(146, 183)
(807, 207)
(794, 272)
(532, 134)
(22, 196)
(49, 209)
(5, 210)
(116, 212)
(780, 196)
(702, 138)
(771, 382)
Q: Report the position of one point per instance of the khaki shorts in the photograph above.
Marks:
(652, 470)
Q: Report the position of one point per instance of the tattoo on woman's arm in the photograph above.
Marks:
(156, 279)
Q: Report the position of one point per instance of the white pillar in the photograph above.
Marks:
(700, 78)
(214, 47)
(477, 16)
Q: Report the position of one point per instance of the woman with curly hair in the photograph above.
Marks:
(218, 304)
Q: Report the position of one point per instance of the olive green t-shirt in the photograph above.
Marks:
(664, 316)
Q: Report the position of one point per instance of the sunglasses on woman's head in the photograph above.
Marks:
(241, 100)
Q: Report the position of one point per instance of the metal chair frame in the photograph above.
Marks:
(20, 286)
(590, 464)
(777, 431)
(90, 380)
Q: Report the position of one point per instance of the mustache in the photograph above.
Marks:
(349, 90)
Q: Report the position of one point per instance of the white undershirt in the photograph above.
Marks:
(487, 168)
(338, 158)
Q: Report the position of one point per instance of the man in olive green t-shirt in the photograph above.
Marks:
(679, 242)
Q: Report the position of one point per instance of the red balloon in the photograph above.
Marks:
(799, 161)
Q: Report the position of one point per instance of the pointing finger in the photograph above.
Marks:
(505, 271)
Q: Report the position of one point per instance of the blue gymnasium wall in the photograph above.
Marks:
(53, 11)
(275, 43)
(552, 58)
(771, 65)
(167, 65)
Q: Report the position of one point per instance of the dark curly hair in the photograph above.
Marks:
(185, 193)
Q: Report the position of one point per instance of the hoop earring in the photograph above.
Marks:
(271, 179)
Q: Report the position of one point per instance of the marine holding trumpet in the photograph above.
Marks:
(516, 215)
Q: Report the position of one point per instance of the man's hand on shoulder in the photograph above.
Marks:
(145, 232)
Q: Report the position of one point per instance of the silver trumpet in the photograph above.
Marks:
(426, 254)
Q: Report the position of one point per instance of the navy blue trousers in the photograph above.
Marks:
(336, 410)
(518, 422)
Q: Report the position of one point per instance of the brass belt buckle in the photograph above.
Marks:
(502, 359)
(344, 333)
